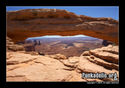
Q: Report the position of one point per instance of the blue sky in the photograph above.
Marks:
(93, 11)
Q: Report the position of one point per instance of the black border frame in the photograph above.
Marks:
(46, 3)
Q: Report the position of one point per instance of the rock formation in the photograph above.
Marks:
(30, 66)
(10, 46)
(24, 66)
(38, 22)
(106, 43)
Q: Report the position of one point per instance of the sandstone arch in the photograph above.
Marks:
(39, 22)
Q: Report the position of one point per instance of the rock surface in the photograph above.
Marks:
(106, 56)
(23, 66)
(39, 22)
(106, 43)
(10, 46)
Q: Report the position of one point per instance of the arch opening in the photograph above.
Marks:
(66, 45)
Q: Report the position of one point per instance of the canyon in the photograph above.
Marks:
(68, 46)
(23, 66)
(27, 65)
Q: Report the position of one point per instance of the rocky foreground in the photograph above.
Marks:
(23, 66)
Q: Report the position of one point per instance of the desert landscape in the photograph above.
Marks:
(62, 59)
(68, 46)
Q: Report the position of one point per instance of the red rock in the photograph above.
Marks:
(58, 22)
